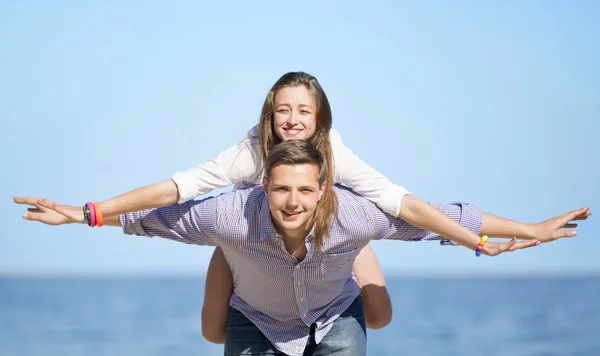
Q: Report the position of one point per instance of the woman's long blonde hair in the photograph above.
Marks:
(327, 206)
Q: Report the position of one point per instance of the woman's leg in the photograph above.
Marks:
(217, 292)
(376, 300)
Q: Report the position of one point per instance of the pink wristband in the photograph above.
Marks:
(92, 214)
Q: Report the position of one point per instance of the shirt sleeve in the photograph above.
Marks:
(394, 228)
(240, 163)
(356, 174)
(193, 222)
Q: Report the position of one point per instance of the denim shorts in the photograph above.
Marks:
(347, 337)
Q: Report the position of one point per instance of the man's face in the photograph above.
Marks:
(293, 192)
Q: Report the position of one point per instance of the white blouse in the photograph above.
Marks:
(242, 166)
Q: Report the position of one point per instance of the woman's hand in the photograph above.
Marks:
(49, 212)
(559, 226)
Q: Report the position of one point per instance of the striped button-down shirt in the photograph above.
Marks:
(281, 295)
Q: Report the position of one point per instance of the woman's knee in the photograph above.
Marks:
(378, 317)
(213, 334)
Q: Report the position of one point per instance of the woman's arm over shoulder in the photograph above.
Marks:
(353, 172)
(239, 163)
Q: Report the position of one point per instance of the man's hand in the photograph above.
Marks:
(496, 248)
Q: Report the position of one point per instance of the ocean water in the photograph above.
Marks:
(432, 316)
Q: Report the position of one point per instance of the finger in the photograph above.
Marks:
(61, 209)
(525, 244)
(65, 210)
(49, 204)
(508, 245)
(26, 200)
(564, 233)
(34, 210)
(570, 226)
(31, 216)
(583, 216)
(46, 203)
(579, 214)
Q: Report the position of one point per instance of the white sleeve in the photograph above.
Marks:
(240, 163)
(353, 172)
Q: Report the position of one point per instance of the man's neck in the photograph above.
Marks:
(296, 246)
(294, 241)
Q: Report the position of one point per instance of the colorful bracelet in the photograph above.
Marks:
(482, 242)
(86, 214)
(92, 221)
(99, 217)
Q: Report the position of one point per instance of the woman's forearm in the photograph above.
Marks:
(496, 226)
(149, 197)
(418, 213)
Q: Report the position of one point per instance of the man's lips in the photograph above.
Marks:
(291, 214)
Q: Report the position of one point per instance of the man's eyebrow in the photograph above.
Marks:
(307, 187)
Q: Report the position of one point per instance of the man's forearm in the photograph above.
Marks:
(151, 196)
(418, 213)
(496, 226)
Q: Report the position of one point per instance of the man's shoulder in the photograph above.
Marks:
(238, 213)
(241, 199)
(352, 203)
(346, 195)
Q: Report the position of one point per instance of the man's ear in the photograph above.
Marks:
(322, 190)
(265, 183)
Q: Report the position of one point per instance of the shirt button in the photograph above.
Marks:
(301, 299)
(298, 266)
(299, 350)
(298, 283)
(305, 315)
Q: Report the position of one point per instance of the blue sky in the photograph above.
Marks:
(494, 103)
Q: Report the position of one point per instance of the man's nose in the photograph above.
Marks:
(293, 199)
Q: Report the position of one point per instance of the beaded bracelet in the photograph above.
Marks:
(87, 215)
(99, 217)
(482, 242)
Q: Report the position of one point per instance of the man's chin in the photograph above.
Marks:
(291, 225)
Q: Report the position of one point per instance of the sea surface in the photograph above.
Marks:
(432, 316)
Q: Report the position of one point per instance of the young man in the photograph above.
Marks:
(292, 258)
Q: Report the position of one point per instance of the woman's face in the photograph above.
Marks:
(294, 116)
